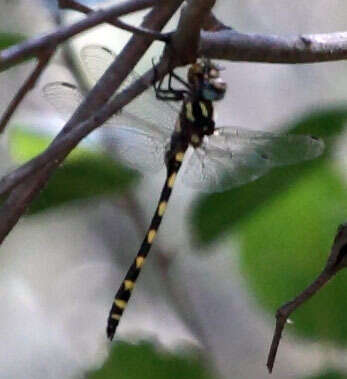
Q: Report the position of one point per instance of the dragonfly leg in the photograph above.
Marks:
(169, 93)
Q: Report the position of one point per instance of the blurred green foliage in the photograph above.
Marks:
(84, 174)
(285, 245)
(8, 39)
(328, 374)
(215, 214)
(143, 361)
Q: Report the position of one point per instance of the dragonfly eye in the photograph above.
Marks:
(214, 91)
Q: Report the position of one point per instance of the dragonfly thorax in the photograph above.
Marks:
(196, 120)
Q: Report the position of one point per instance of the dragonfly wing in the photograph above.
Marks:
(220, 171)
(146, 107)
(136, 148)
(64, 97)
(160, 114)
(142, 149)
(96, 60)
(279, 149)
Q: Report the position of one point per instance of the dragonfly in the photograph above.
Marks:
(149, 134)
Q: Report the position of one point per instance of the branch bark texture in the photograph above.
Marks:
(311, 48)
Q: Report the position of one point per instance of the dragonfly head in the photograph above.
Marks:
(204, 77)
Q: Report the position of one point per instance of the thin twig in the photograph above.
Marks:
(76, 6)
(34, 47)
(25, 88)
(337, 261)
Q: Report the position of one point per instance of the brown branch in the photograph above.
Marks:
(25, 88)
(188, 30)
(76, 6)
(336, 262)
(222, 44)
(310, 48)
(23, 194)
(34, 47)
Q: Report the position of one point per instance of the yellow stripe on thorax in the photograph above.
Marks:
(203, 108)
(189, 112)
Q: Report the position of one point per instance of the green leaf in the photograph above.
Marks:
(8, 39)
(285, 245)
(25, 145)
(84, 174)
(217, 213)
(144, 361)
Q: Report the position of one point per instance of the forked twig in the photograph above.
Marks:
(76, 6)
(336, 262)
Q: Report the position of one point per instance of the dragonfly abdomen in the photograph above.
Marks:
(123, 295)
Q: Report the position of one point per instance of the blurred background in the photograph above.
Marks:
(222, 264)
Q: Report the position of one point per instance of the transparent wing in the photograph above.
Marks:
(232, 157)
(96, 60)
(136, 148)
(279, 149)
(140, 148)
(64, 97)
(220, 171)
(145, 107)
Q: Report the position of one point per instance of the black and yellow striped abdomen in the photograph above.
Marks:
(123, 295)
